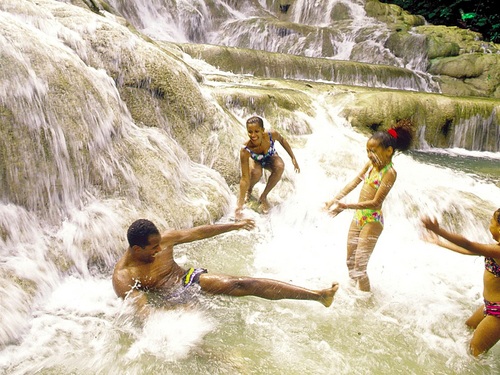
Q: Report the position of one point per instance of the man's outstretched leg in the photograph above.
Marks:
(264, 288)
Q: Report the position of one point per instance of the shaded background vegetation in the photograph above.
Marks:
(480, 16)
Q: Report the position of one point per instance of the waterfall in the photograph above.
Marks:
(53, 158)
(477, 133)
(357, 37)
(335, 29)
(77, 167)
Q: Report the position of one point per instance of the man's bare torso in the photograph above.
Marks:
(160, 273)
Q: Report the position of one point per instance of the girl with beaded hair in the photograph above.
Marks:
(378, 176)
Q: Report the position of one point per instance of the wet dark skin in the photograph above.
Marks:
(153, 268)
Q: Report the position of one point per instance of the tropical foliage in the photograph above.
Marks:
(480, 16)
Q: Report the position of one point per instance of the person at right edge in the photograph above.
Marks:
(486, 319)
(378, 176)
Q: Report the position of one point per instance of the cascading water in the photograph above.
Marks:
(72, 180)
(334, 29)
(477, 133)
(358, 37)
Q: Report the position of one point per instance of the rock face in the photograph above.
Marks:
(473, 74)
(96, 109)
(460, 61)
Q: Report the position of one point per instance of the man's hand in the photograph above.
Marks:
(247, 224)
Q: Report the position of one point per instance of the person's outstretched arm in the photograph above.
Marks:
(349, 187)
(174, 237)
(278, 137)
(461, 244)
(433, 238)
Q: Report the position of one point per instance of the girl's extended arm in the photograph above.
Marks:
(278, 137)
(348, 188)
(432, 237)
(459, 243)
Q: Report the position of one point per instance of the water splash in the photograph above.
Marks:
(45, 264)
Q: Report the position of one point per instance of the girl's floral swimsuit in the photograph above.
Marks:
(492, 308)
(368, 215)
(263, 159)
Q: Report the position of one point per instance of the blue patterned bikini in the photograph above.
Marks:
(263, 159)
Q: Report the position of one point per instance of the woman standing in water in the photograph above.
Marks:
(486, 319)
(256, 154)
(379, 177)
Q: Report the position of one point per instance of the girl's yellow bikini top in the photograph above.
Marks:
(374, 178)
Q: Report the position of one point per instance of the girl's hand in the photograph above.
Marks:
(296, 165)
(430, 224)
(329, 204)
(430, 237)
(342, 206)
(337, 209)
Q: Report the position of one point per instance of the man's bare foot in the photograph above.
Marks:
(327, 295)
(264, 206)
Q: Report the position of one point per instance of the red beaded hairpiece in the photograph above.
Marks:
(393, 133)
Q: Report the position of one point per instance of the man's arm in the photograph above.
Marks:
(122, 282)
(126, 288)
(174, 237)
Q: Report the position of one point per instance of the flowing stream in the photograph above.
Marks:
(59, 314)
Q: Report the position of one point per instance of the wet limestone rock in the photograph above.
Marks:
(461, 61)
